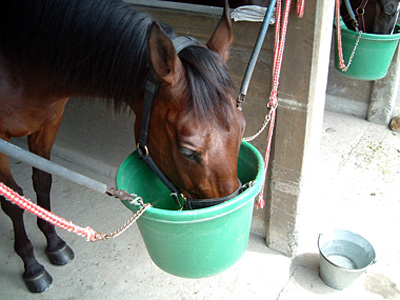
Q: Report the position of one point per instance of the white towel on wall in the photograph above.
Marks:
(252, 13)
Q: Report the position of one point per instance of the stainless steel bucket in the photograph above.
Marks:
(344, 257)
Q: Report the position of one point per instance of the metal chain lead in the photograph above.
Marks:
(263, 126)
(352, 53)
(123, 228)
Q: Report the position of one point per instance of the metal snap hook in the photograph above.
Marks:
(240, 99)
(138, 201)
(179, 199)
(142, 150)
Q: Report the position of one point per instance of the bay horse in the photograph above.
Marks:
(51, 50)
(372, 16)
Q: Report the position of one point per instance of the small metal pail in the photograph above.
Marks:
(344, 257)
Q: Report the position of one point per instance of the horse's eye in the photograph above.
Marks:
(387, 17)
(190, 154)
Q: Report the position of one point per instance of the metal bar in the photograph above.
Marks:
(257, 49)
(50, 167)
(350, 10)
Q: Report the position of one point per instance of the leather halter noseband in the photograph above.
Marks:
(150, 91)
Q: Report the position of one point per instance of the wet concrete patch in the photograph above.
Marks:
(379, 284)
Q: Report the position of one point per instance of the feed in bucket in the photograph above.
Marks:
(193, 243)
(344, 257)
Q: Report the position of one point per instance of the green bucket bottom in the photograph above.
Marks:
(373, 55)
(193, 243)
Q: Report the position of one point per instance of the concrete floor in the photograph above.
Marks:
(357, 188)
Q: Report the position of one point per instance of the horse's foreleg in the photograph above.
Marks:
(35, 276)
(40, 143)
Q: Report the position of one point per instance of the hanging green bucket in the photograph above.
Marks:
(373, 54)
(193, 243)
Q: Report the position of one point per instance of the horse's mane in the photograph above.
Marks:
(99, 48)
(93, 47)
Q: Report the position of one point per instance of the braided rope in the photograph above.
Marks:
(341, 63)
(279, 46)
(52, 218)
(300, 8)
(277, 61)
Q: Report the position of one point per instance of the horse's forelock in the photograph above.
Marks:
(210, 86)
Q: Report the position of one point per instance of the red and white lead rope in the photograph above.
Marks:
(44, 214)
(88, 232)
(279, 46)
(300, 8)
(342, 65)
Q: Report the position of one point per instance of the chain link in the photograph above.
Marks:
(123, 228)
(346, 67)
(267, 118)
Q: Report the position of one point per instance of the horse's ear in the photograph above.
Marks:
(222, 37)
(163, 58)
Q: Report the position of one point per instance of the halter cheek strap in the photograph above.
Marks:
(150, 91)
(360, 14)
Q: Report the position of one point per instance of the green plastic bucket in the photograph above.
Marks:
(193, 243)
(373, 54)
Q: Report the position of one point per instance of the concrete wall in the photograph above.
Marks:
(91, 135)
(346, 95)
(370, 100)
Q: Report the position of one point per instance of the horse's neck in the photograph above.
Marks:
(97, 51)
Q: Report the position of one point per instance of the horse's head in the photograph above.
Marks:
(378, 16)
(195, 128)
(385, 17)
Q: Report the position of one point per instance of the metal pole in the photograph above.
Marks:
(50, 167)
(256, 51)
(350, 10)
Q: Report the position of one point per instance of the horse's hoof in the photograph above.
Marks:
(62, 256)
(39, 283)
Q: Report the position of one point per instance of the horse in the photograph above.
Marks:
(105, 49)
(371, 16)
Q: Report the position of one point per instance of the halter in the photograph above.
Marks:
(150, 91)
(358, 15)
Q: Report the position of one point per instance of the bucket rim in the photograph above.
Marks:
(351, 270)
(215, 211)
(370, 36)
(198, 215)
